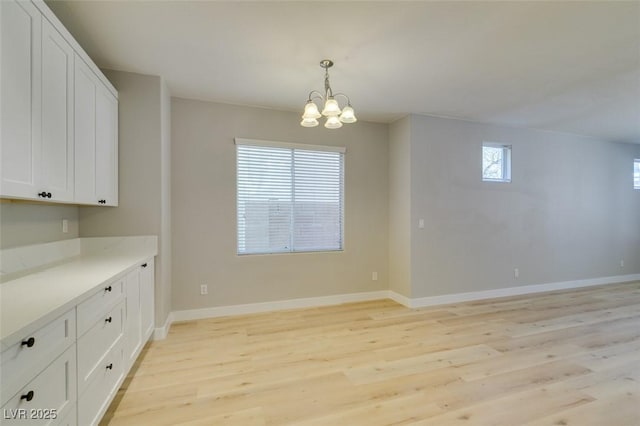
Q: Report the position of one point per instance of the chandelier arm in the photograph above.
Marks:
(342, 94)
(318, 95)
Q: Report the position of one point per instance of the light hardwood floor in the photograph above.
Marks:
(562, 358)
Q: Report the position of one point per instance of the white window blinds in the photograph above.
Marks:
(290, 197)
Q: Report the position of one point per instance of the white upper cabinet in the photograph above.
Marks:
(106, 147)
(20, 62)
(96, 135)
(59, 116)
(57, 119)
(85, 133)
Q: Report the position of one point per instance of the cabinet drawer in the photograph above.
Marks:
(98, 305)
(102, 388)
(21, 362)
(94, 345)
(47, 398)
(71, 419)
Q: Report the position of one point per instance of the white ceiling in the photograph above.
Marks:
(563, 66)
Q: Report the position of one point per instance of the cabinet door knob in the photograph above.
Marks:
(28, 396)
(109, 366)
(42, 194)
(102, 201)
(144, 265)
(107, 289)
(48, 195)
(29, 342)
(107, 319)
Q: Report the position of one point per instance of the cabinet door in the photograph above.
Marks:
(106, 147)
(20, 77)
(56, 163)
(147, 299)
(85, 133)
(133, 330)
(96, 139)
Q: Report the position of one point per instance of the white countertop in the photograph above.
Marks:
(32, 300)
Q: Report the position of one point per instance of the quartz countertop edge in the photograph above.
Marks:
(31, 301)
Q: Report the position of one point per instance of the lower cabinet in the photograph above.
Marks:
(139, 324)
(111, 339)
(133, 333)
(94, 346)
(104, 384)
(22, 361)
(68, 372)
(147, 300)
(48, 398)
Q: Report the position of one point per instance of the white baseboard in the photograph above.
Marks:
(310, 302)
(509, 291)
(160, 333)
(399, 298)
(251, 308)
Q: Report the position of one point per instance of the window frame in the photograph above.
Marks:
(506, 163)
(301, 147)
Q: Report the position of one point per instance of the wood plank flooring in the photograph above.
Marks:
(561, 358)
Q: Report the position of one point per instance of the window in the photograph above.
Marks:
(290, 197)
(636, 173)
(496, 162)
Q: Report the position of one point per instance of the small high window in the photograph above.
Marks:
(636, 173)
(496, 162)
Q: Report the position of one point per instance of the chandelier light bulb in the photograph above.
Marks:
(311, 110)
(333, 122)
(348, 115)
(331, 108)
(309, 122)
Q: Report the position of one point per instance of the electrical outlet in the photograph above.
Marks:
(204, 289)
(65, 226)
(516, 273)
(374, 276)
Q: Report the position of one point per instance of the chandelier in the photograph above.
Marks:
(335, 115)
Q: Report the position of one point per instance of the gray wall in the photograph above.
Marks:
(570, 212)
(204, 210)
(143, 204)
(139, 134)
(400, 206)
(164, 287)
(23, 223)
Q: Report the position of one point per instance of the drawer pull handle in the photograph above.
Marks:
(28, 396)
(29, 342)
(107, 319)
(110, 366)
(44, 194)
(107, 289)
(144, 265)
